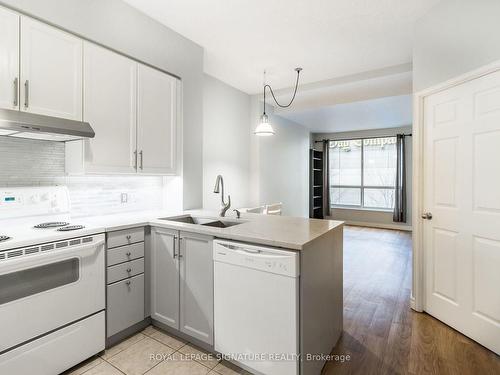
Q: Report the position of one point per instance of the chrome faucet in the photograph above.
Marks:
(219, 187)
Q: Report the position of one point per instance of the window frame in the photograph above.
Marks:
(361, 187)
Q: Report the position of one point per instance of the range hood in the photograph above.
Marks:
(19, 124)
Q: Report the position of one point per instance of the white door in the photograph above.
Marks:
(462, 192)
(156, 121)
(110, 92)
(196, 286)
(165, 277)
(51, 71)
(9, 59)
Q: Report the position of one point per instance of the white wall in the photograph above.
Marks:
(456, 36)
(226, 143)
(280, 164)
(284, 167)
(116, 25)
(367, 217)
(256, 170)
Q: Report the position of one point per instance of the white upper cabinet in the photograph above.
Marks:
(156, 121)
(51, 71)
(133, 109)
(110, 97)
(9, 59)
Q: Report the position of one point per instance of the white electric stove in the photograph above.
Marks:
(52, 283)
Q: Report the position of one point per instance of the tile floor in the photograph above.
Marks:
(154, 352)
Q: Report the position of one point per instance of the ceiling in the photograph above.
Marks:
(328, 38)
(388, 112)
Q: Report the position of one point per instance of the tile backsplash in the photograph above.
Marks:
(25, 162)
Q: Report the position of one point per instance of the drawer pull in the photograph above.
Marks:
(128, 282)
(129, 253)
(129, 237)
(129, 270)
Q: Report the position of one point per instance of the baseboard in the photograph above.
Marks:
(182, 335)
(126, 333)
(412, 304)
(407, 228)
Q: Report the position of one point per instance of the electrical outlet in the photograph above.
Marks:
(124, 197)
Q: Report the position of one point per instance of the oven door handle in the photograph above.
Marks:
(51, 256)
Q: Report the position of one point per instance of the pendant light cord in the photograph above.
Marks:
(274, 97)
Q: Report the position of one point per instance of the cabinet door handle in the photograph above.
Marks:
(135, 159)
(142, 159)
(174, 254)
(16, 91)
(180, 254)
(26, 94)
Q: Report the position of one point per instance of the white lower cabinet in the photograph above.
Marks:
(182, 282)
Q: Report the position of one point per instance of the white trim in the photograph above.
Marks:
(412, 304)
(418, 285)
(359, 208)
(377, 225)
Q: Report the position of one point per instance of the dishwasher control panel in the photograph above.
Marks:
(267, 259)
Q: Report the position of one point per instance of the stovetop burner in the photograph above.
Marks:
(4, 238)
(70, 228)
(51, 224)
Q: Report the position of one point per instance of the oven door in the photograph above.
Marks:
(46, 291)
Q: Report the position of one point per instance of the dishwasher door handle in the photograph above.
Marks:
(232, 247)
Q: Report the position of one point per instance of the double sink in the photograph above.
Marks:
(205, 221)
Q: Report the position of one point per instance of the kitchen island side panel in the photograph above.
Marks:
(321, 299)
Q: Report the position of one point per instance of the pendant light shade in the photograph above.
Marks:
(264, 129)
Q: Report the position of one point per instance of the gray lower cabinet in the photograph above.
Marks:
(182, 282)
(125, 291)
(196, 286)
(125, 304)
(165, 277)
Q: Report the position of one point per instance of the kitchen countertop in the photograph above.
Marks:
(279, 231)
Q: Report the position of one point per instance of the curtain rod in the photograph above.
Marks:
(360, 138)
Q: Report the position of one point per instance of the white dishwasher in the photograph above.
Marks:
(256, 306)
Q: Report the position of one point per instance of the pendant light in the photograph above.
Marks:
(264, 128)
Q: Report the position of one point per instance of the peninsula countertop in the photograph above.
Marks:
(279, 231)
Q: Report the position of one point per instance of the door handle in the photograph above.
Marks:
(16, 91)
(427, 216)
(26, 94)
(142, 159)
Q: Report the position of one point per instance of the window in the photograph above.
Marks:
(363, 173)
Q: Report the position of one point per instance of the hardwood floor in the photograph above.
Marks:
(382, 335)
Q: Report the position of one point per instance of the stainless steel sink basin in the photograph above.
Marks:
(207, 221)
(221, 224)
